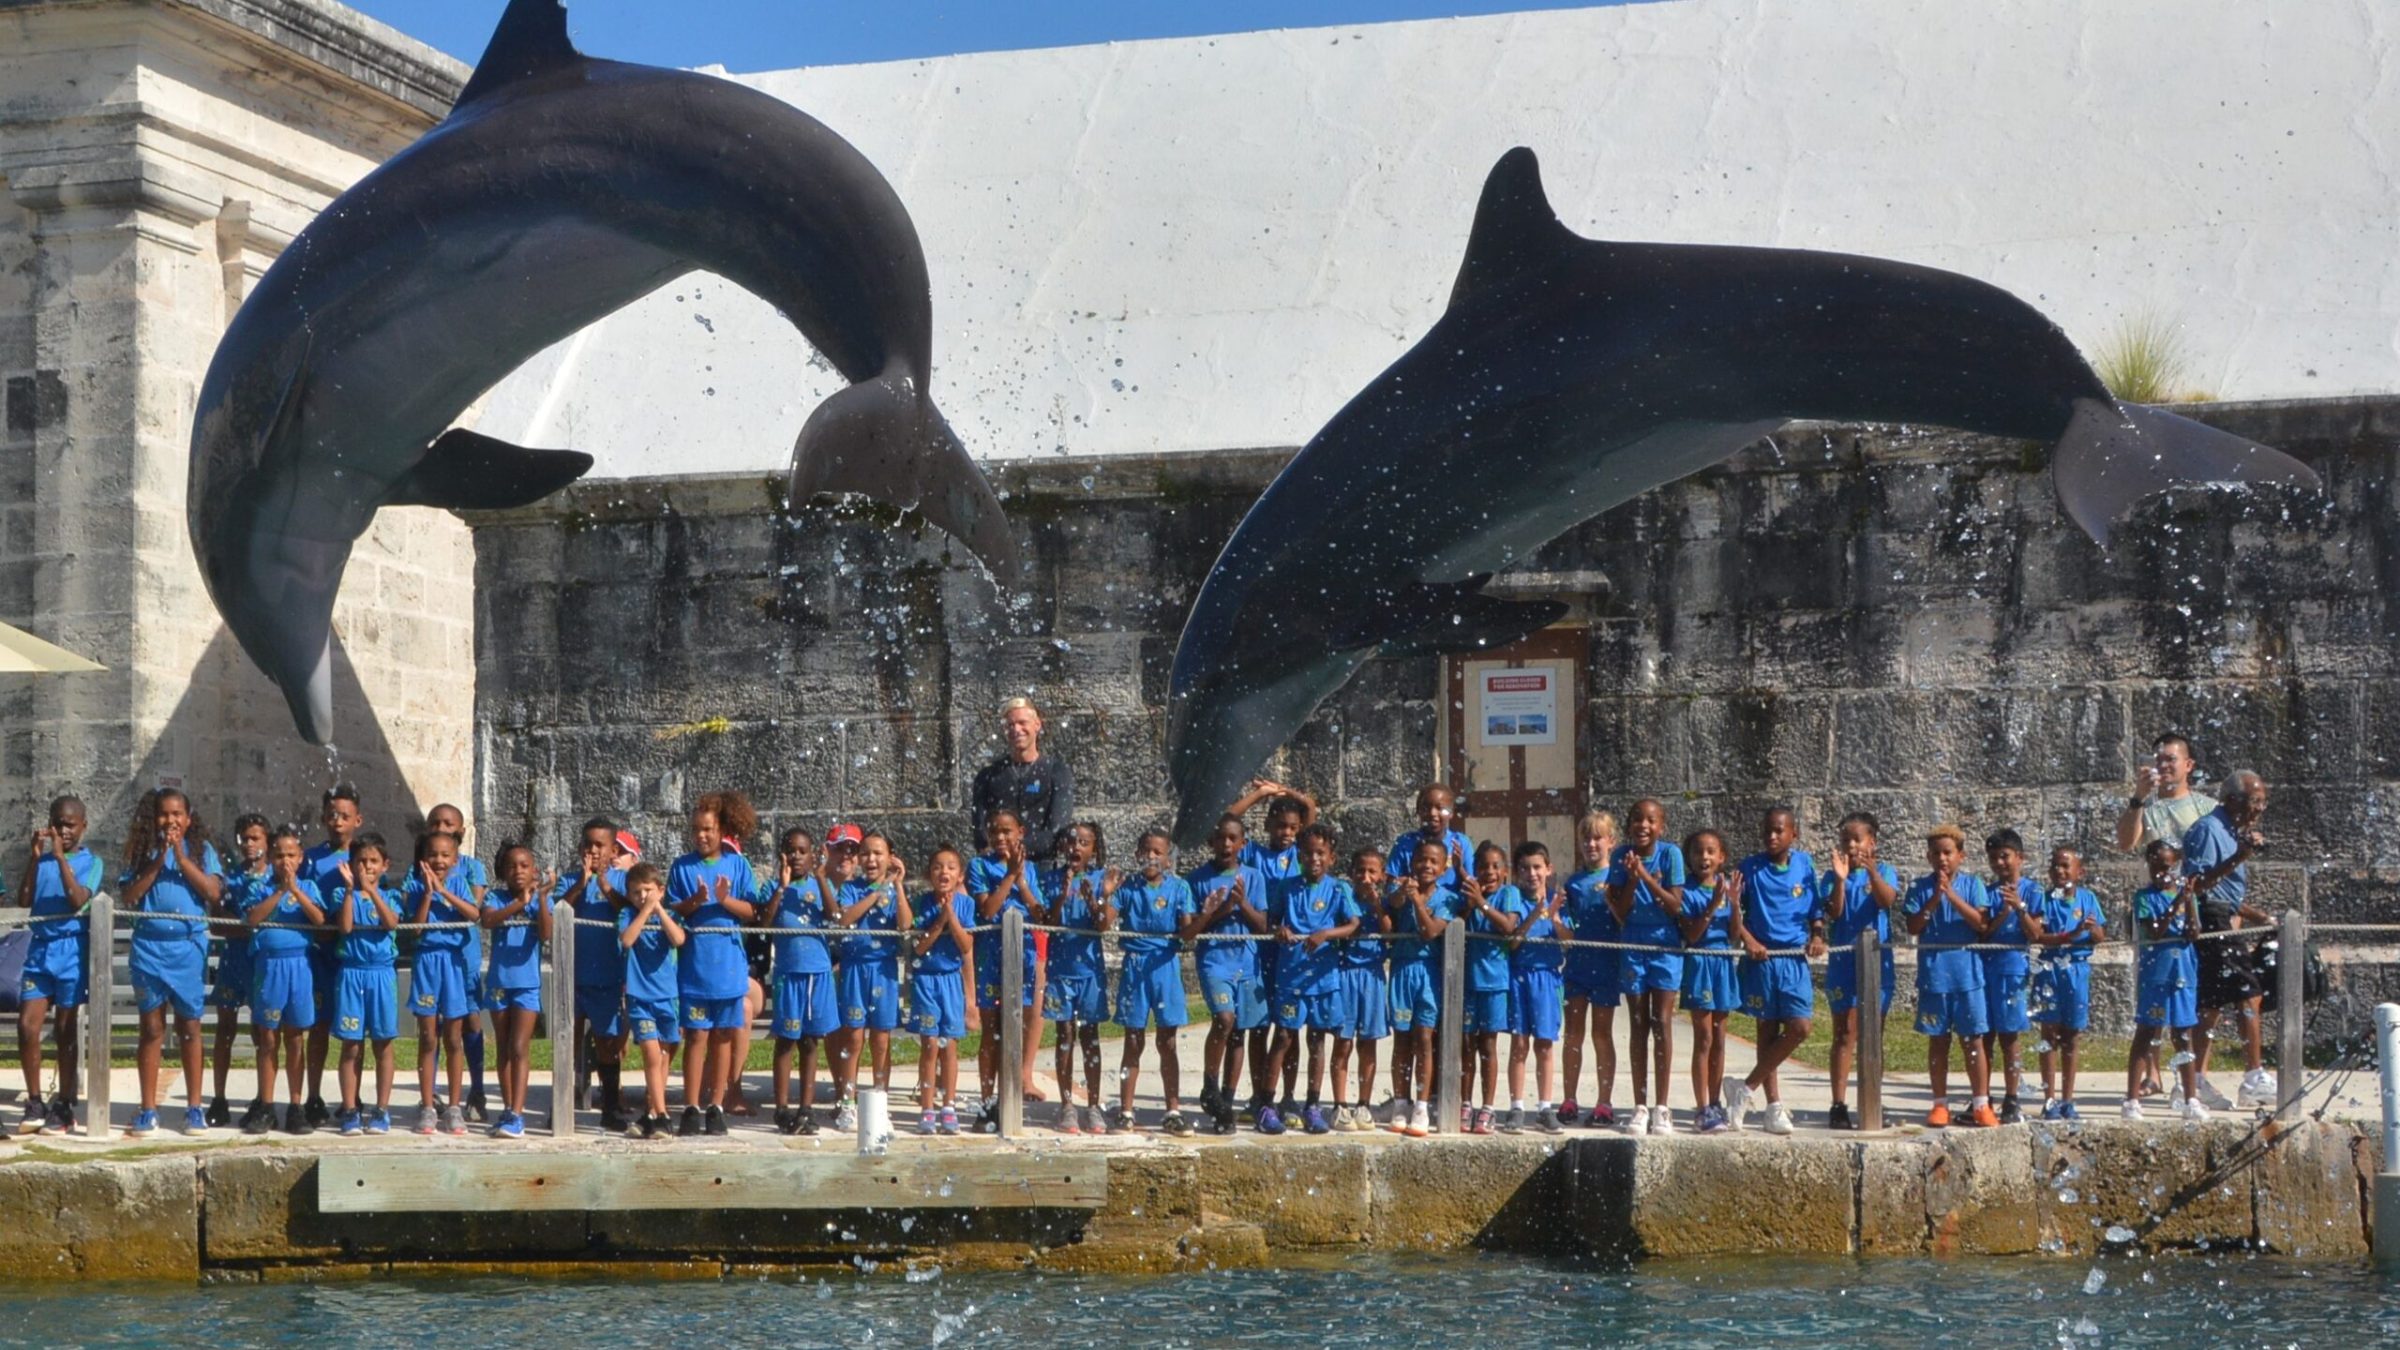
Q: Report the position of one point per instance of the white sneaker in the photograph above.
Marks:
(1637, 1120)
(1779, 1119)
(845, 1116)
(2258, 1088)
(1737, 1106)
(1662, 1120)
(1420, 1120)
(2195, 1112)
(2211, 1097)
(2132, 1109)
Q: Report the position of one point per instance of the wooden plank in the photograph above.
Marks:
(563, 1073)
(100, 998)
(1012, 1024)
(1869, 963)
(489, 1182)
(1449, 1041)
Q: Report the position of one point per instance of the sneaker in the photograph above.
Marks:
(1547, 1120)
(1341, 1118)
(1939, 1117)
(1779, 1118)
(1637, 1121)
(987, 1120)
(478, 1110)
(2050, 1108)
(2067, 1111)
(296, 1121)
(1512, 1121)
(315, 1113)
(713, 1121)
(1662, 1120)
(511, 1126)
(1070, 1123)
(195, 1120)
(1737, 1106)
(845, 1116)
(1466, 1120)
(1175, 1124)
(429, 1120)
(1094, 1122)
(1712, 1119)
(1483, 1120)
(2132, 1110)
(2257, 1089)
(2010, 1112)
(1420, 1121)
(787, 1123)
(2196, 1112)
(2211, 1098)
(60, 1118)
(219, 1115)
(454, 1119)
(1839, 1117)
(1270, 1120)
(612, 1119)
(1312, 1120)
(804, 1121)
(651, 1127)
(1601, 1117)
(929, 1122)
(1568, 1111)
(1983, 1117)
(948, 1123)
(1225, 1116)
(349, 1125)
(145, 1122)
(1120, 1119)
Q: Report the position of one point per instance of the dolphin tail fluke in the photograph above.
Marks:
(1460, 618)
(880, 438)
(465, 471)
(2114, 454)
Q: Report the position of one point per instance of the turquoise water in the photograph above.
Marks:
(2184, 1300)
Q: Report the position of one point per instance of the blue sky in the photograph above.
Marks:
(778, 34)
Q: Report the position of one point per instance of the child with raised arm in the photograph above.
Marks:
(59, 879)
(1366, 990)
(806, 1010)
(244, 886)
(366, 997)
(1309, 917)
(867, 967)
(2005, 973)
(2070, 923)
(1777, 914)
(1858, 894)
(710, 889)
(594, 891)
(321, 866)
(171, 871)
(1277, 858)
(1493, 909)
(1711, 985)
(648, 935)
(1232, 899)
(1082, 898)
(1156, 912)
(1535, 961)
(283, 997)
(842, 844)
(938, 1010)
(1645, 893)
(1437, 819)
(518, 921)
(1946, 909)
(1421, 907)
(1002, 880)
(443, 977)
(2167, 985)
(1594, 977)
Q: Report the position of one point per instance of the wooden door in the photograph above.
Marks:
(1512, 736)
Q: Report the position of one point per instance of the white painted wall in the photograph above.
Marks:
(1212, 243)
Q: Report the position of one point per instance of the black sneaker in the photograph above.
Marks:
(786, 1122)
(1839, 1117)
(612, 1119)
(1227, 1118)
(714, 1121)
(315, 1113)
(259, 1119)
(61, 1116)
(2010, 1112)
(689, 1126)
(477, 1111)
(651, 1127)
(1175, 1124)
(804, 1121)
(1208, 1102)
(219, 1115)
(989, 1121)
(296, 1121)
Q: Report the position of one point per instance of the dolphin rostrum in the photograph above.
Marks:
(558, 190)
(1569, 375)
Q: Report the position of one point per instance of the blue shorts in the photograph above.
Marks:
(1313, 1012)
(937, 1005)
(2062, 996)
(2004, 1004)
(987, 989)
(232, 989)
(805, 1006)
(1841, 980)
(366, 1003)
(1367, 1003)
(715, 1014)
(64, 990)
(1711, 984)
(512, 1000)
(152, 990)
(1647, 972)
(437, 986)
(1076, 998)
(1533, 1004)
(283, 994)
(652, 1021)
(1150, 989)
(1487, 1010)
(1595, 974)
(1241, 997)
(868, 995)
(1416, 997)
(1778, 989)
(1956, 1014)
(602, 1005)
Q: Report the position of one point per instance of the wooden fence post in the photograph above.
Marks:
(1012, 1024)
(100, 990)
(1449, 1055)
(563, 1076)
(1870, 1030)
(2291, 979)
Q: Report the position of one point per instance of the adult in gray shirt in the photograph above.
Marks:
(2164, 804)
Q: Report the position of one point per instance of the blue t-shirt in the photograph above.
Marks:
(242, 890)
(456, 941)
(171, 949)
(1718, 935)
(944, 957)
(322, 865)
(370, 944)
(1947, 972)
(984, 875)
(713, 966)
(269, 943)
(1778, 900)
(2063, 910)
(801, 905)
(1443, 905)
(2009, 928)
(1154, 909)
(1077, 900)
(1487, 958)
(1859, 909)
(1402, 860)
(881, 915)
(650, 964)
(1280, 866)
(516, 945)
(1532, 955)
(2207, 845)
(1649, 922)
(1308, 907)
(1230, 961)
(1365, 951)
(57, 948)
(599, 963)
(1587, 910)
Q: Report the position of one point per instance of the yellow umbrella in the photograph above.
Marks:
(21, 652)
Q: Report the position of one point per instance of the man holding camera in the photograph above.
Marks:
(2217, 850)
(2164, 805)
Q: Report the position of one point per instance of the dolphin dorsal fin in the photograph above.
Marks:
(1515, 229)
(531, 40)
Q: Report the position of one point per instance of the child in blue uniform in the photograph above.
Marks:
(1155, 908)
(842, 844)
(1594, 978)
(1082, 896)
(1857, 894)
(649, 935)
(366, 1003)
(244, 886)
(806, 1010)
(1437, 812)
(448, 819)
(1493, 909)
(1003, 879)
(441, 977)
(1946, 908)
(1645, 893)
(59, 878)
(1277, 858)
(321, 866)
(518, 923)
(594, 890)
(1232, 900)
(2005, 973)
(171, 870)
(283, 996)
(2167, 987)
(938, 1009)
(1778, 912)
(710, 889)
(1366, 992)
(1310, 917)
(1421, 907)
(866, 979)
(1711, 986)
(2070, 923)
(1535, 962)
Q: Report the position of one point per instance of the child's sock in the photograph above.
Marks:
(1517, 1104)
(1542, 1105)
(1980, 1102)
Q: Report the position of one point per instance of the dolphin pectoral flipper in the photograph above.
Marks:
(2113, 454)
(468, 471)
(883, 439)
(1450, 619)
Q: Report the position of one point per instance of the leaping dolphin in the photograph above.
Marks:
(1569, 375)
(558, 190)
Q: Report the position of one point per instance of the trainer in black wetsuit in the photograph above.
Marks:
(1039, 788)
